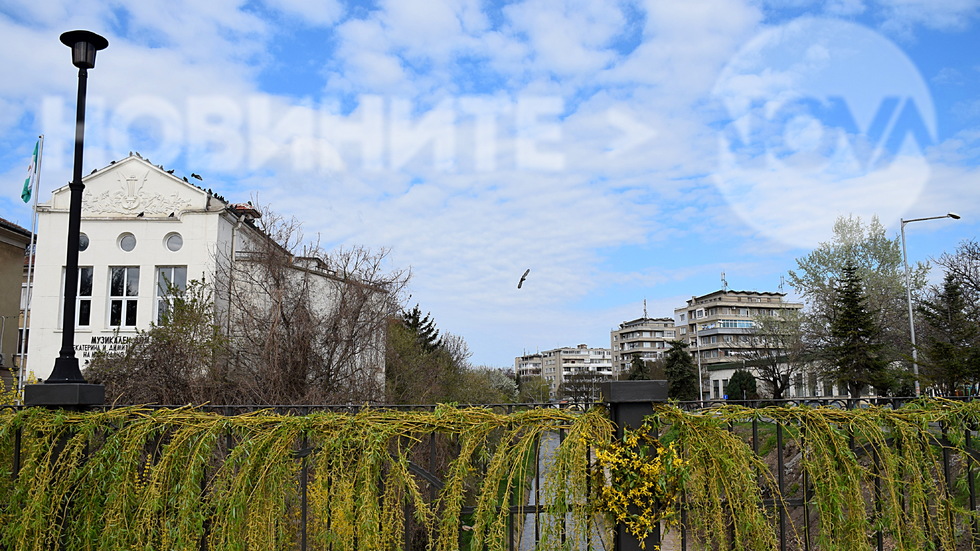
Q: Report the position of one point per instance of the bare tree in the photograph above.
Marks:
(307, 326)
(778, 351)
(964, 267)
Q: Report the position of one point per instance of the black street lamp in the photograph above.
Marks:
(66, 386)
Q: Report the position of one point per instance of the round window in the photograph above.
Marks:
(82, 242)
(175, 242)
(127, 242)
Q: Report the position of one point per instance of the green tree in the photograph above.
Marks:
(420, 366)
(877, 261)
(639, 369)
(681, 372)
(424, 328)
(742, 386)
(950, 338)
(485, 385)
(178, 361)
(533, 390)
(855, 351)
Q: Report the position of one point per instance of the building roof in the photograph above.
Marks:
(10, 226)
(695, 299)
(641, 321)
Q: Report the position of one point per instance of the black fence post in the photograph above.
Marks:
(629, 402)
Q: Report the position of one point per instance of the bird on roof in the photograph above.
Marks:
(186, 180)
(140, 215)
(523, 277)
(172, 214)
(196, 175)
(171, 171)
(94, 170)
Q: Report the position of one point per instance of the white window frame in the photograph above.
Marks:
(127, 297)
(79, 298)
(176, 275)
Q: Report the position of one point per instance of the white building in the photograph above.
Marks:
(648, 337)
(578, 368)
(145, 231)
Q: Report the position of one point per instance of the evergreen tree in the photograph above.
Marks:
(877, 261)
(855, 348)
(424, 328)
(950, 338)
(742, 386)
(682, 374)
(639, 369)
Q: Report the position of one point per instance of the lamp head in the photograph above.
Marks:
(83, 46)
(953, 215)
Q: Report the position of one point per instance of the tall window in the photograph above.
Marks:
(83, 306)
(83, 298)
(171, 281)
(124, 286)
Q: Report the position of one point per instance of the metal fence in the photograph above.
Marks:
(796, 521)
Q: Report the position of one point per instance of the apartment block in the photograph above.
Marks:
(568, 370)
(719, 327)
(648, 337)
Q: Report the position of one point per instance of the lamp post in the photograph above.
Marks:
(908, 292)
(65, 385)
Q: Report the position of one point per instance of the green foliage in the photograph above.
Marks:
(742, 386)
(639, 369)
(485, 385)
(950, 339)
(422, 368)
(866, 469)
(133, 478)
(855, 348)
(174, 362)
(424, 328)
(877, 261)
(533, 390)
(682, 374)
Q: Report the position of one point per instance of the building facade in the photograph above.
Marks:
(146, 234)
(720, 328)
(648, 337)
(572, 372)
(14, 241)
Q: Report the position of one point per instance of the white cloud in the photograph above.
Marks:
(569, 38)
(901, 15)
(322, 12)
(470, 227)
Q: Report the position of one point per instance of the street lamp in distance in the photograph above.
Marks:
(908, 293)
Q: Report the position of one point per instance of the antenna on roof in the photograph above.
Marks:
(724, 282)
(644, 307)
(782, 282)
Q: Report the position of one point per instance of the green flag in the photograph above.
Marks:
(25, 193)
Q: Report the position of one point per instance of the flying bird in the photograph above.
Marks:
(523, 277)
(196, 175)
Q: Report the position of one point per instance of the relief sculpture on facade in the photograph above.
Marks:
(131, 197)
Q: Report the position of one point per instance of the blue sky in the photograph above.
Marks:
(623, 151)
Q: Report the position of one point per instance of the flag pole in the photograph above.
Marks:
(25, 331)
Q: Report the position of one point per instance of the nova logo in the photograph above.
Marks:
(811, 133)
(821, 118)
